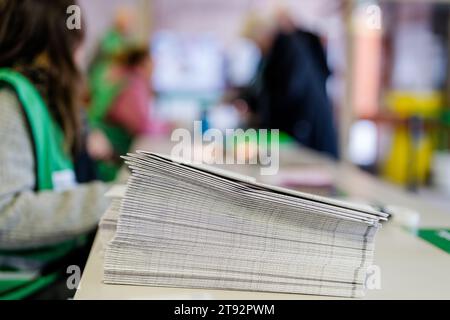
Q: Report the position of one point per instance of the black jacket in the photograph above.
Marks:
(288, 92)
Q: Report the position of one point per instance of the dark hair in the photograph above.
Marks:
(134, 55)
(32, 29)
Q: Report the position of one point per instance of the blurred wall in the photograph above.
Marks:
(225, 18)
(221, 17)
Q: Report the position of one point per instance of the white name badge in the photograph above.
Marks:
(63, 180)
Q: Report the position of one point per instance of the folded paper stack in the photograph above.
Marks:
(193, 226)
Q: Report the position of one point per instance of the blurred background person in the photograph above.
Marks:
(112, 43)
(45, 212)
(289, 89)
(120, 33)
(310, 41)
(127, 115)
(104, 84)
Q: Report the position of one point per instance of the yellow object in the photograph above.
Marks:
(408, 162)
(395, 167)
(423, 155)
(405, 103)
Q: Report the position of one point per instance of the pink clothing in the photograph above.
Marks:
(131, 109)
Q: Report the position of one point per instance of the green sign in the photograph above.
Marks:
(437, 237)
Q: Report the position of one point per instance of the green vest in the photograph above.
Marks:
(104, 92)
(20, 274)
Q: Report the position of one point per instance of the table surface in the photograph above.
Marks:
(411, 268)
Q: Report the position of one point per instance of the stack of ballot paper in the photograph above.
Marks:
(193, 226)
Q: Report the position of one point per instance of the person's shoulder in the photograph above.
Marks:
(10, 108)
(7, 94)
(8, 99)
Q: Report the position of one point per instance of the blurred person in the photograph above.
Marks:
(288, 91)
(114, 41)
(120, 34)
(46, 215)
(307, 39)
(104, 76)
(127, 115)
